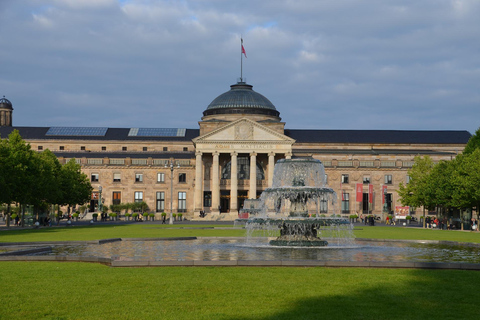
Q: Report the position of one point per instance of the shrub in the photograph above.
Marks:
(174, 215)
(75, 215)
(13, 216)
(93, 215)
(163, 214)
(409, 217)
(112, 214)
(128, 215)
(152, 215)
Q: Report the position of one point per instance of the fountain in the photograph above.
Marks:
(294, 204)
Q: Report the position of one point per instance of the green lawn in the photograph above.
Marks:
(56, 290)
(141, 230)
(53, 290)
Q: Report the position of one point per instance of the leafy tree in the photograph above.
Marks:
(76, 189)
(473, 143)
(418, 191)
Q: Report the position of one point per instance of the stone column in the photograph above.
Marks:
(288, 155)
(252, 194)
(271, 165)
(234, 184)
(198, 206)
(215, 183)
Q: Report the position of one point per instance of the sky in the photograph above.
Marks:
(324, 64)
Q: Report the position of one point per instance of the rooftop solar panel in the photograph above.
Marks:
(157, 132)
(76, 131)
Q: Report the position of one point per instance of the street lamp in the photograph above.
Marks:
(100, 199)
(170, 164)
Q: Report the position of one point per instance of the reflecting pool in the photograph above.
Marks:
(224, 249)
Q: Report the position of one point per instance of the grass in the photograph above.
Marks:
(41, 290)
(139, 230)
(56, 290)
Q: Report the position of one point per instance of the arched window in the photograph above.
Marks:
(243, 170)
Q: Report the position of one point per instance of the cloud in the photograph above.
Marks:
(160, 63)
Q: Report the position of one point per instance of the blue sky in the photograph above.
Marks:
(373, 64)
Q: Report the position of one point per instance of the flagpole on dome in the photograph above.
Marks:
(242, 52)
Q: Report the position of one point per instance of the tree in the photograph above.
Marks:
(473, 143)
(76, 189)
(418, 191)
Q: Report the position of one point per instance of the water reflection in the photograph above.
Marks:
(240, 249)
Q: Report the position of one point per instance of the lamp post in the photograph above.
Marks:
(170, 164)
(100, 199)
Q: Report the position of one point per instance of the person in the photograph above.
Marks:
(164, 219)
(387, 221)
(140, 217)
(361, 217)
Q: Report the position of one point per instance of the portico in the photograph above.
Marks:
(235, 162)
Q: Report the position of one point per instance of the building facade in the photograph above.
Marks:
(231, 157)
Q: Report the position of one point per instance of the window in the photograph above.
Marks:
(182, 202)
(160, 177)
(117, 177)
(366, 180)
(207, 198)
(40, 147)
(185, 149)
(124, 148)
(388, 179)
(182, 177)
(408, 179)
(94, 177)
(323, 205)
(165, 148)
(62, 148)
(243, 169)
(138, 196)
(145, 149)
(117, 197)
(82, 148)
(326, 178)
(345, 203)
(160, 201)
(104, 148)
(344, 178)
(138, 177)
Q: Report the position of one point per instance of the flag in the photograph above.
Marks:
(243, 50)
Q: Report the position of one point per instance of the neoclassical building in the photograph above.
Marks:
(231, 157)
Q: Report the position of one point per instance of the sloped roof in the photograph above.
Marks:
(379, 136)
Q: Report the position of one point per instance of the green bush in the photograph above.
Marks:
(135, 215)
(409, 218)
(13, 216)
(174, 215)
(163, 214)
(113, 214)
(128, 215)
(93, 215)
(76, 214)
(353, 216)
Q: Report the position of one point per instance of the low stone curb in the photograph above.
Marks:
(251, 263)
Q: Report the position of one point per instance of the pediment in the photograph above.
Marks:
(244, 130)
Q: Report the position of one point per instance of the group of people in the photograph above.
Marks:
(370, 220)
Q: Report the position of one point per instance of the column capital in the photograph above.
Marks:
(234, 153)
(198, 153)
(253, 154)
(215, 153)
(271, 154)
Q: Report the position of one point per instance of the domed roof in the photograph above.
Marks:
(5, 103)
(241, 99)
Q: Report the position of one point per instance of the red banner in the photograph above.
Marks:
(359, 190)
(384, 192)
(370, 193)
